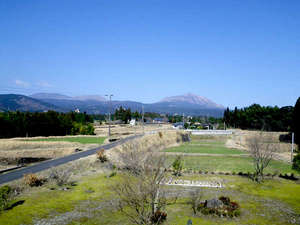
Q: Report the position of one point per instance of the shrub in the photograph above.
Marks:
(177, 166)
(160, 134)
(296, 162)
(288, 177)
(112, 174)
(225, 200)
(227, 209)
(101, 156)
(60, 176)
(84, 129)
(5, 192)
(158, 217)
(33, 180)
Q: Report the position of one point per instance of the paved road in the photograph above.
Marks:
(56, 162)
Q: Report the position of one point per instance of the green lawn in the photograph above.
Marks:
(82, 140)
(260, 203)
(206, 145)
(205, 148)
(229, 164)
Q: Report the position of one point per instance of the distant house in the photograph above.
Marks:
(115, 122)
(158, 120)
(178, 125)
(77, 110)
(132, 122)
(148, 120)
(207, 126)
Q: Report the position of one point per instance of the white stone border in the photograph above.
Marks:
(192, 183)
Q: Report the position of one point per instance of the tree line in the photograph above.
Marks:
(258, 117)
(51, 123)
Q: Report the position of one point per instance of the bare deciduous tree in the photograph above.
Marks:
(141, 195)
(195, 199)
(262, 151)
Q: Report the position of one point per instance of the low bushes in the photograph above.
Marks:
(60, 176)
(296, 162)
(33, 180)
(288, 177)
(101, 155)
(5, 193)
(160, 134)
(222, 207)
(159, 217)
(83, 129)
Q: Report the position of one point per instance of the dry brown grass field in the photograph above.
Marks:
(14, 149)
(126, 129)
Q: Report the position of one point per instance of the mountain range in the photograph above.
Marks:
(189, 104)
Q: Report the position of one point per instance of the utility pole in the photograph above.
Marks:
(292, 150)
(143, 118)
(109, 117)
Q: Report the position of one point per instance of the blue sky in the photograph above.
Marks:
(233, 52)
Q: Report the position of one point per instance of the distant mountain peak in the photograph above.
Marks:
(190, 98)
(50, 96)
(57, 96)
(98, 98)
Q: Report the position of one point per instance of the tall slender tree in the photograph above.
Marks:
(296, 122)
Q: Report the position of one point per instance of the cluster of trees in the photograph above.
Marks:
(260, 118)
(51, 123)
(123, 114)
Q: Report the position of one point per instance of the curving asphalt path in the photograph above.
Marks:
(59, 161)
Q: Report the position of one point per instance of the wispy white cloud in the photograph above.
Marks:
(44, 84)
(22, 83)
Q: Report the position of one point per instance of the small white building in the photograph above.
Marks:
(132, 122)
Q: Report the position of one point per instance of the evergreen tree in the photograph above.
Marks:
(296, 122)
